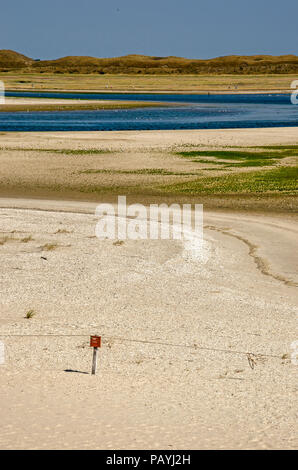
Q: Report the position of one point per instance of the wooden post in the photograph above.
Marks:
(94, 361)
(95, 343)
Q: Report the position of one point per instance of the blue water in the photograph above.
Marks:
(192, 112)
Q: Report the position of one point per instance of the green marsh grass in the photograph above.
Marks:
(142, 171)
(241, 158)
(60, 151)
(282, 179)
(30, 314)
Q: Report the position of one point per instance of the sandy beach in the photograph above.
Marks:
(175, 369)
(148, 233)
(196, 350)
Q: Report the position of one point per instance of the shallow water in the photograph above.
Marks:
(196, 112)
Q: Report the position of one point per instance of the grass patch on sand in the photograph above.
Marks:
(3, 240)
(73, 152)
(30, 314)
(142, 171)
(282, 179)
(49, 247)
(276, 147)
(279, 180)
(62, 231)
(241, 158)
(79, 151)
(27, 239)
(228, 154)
(22, 108)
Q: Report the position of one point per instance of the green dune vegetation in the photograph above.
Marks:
(144, 73)
(10, 60)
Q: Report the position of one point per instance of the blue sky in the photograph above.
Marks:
(188, 28)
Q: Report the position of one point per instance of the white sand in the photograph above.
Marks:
(173, 369)
(53, 101)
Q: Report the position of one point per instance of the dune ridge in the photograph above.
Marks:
(141, 64)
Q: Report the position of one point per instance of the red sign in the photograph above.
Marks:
(95, 341)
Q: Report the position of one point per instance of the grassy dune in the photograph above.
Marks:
(140, 64)
(144, 73)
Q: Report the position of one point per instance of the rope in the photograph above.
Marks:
(194, 347)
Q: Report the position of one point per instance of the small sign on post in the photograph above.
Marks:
(95, 343)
